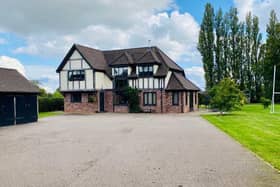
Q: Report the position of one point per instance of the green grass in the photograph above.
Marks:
(255, 128)
(48, 114)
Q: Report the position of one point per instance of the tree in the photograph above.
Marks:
(57, 94)
(272, 54)
(219, 65)
(234, 63)
(206, 45)
(226, 96)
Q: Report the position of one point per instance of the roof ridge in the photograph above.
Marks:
(10, 69)
(117, 50)
(88, 47)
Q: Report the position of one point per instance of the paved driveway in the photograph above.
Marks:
(127, 150)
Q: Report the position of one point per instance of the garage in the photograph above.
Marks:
(18, 98)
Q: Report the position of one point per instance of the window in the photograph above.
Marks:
(175, 98)
(120, 71)
(120, 99)
(187, 94)
(195, 98)
(76, 98)
(92, 98)
(76, 75)
(121, 84)
(149, 98)
(145, 70)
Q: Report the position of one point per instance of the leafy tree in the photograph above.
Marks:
(226, 96)
(272, 54)
(206, 45)
(219, 65)
(231, 48)
(57, 94)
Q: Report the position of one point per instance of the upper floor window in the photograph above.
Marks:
(76, 75)
(145, 70)
(120, 71)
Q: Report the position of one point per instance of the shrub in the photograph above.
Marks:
(226, 96)
(133, 99)
(265, 102)
(47, 104)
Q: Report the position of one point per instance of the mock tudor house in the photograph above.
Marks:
(92, 81)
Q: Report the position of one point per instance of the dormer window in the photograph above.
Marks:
(145, 70)
(120, 71)
(76, 75)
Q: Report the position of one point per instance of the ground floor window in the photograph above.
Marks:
(195, 98)
(149, 98)
(76, 97)
(175, 98)
(187, 94)
(120, 98)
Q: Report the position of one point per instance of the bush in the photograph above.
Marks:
(226, 96)
(48, 104)
(133, 99)
(265, 102)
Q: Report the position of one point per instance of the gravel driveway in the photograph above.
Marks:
(127, 150)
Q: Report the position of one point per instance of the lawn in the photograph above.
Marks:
(48, 114)
(255, 128)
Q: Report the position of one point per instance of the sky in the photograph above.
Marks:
(35, 35)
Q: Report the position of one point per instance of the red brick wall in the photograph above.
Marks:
(83, 107)
(174, 108)
(108, 101)
(121, 108)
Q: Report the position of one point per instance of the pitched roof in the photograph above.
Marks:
(148, 57)
(123, 59)
(178, 81)
(11, 81)
(102, 60)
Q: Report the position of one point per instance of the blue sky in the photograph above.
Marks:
(34, 41)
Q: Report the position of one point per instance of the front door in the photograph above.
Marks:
(191, 101)
(101, 101)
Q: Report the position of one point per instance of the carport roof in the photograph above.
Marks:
(11, 81)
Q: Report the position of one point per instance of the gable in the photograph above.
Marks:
(76, 62)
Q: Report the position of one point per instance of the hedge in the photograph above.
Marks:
(48, 104)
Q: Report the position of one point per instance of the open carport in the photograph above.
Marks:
(127, 150)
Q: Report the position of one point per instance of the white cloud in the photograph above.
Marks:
(12, 63)
(196, 75)
(176, 34)
(46, 75)
(66, 16)
(260, 8)
(50, 28)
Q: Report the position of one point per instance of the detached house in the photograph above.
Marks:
(93, 81)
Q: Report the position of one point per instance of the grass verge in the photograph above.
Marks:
(255, 128)
(48, 114)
